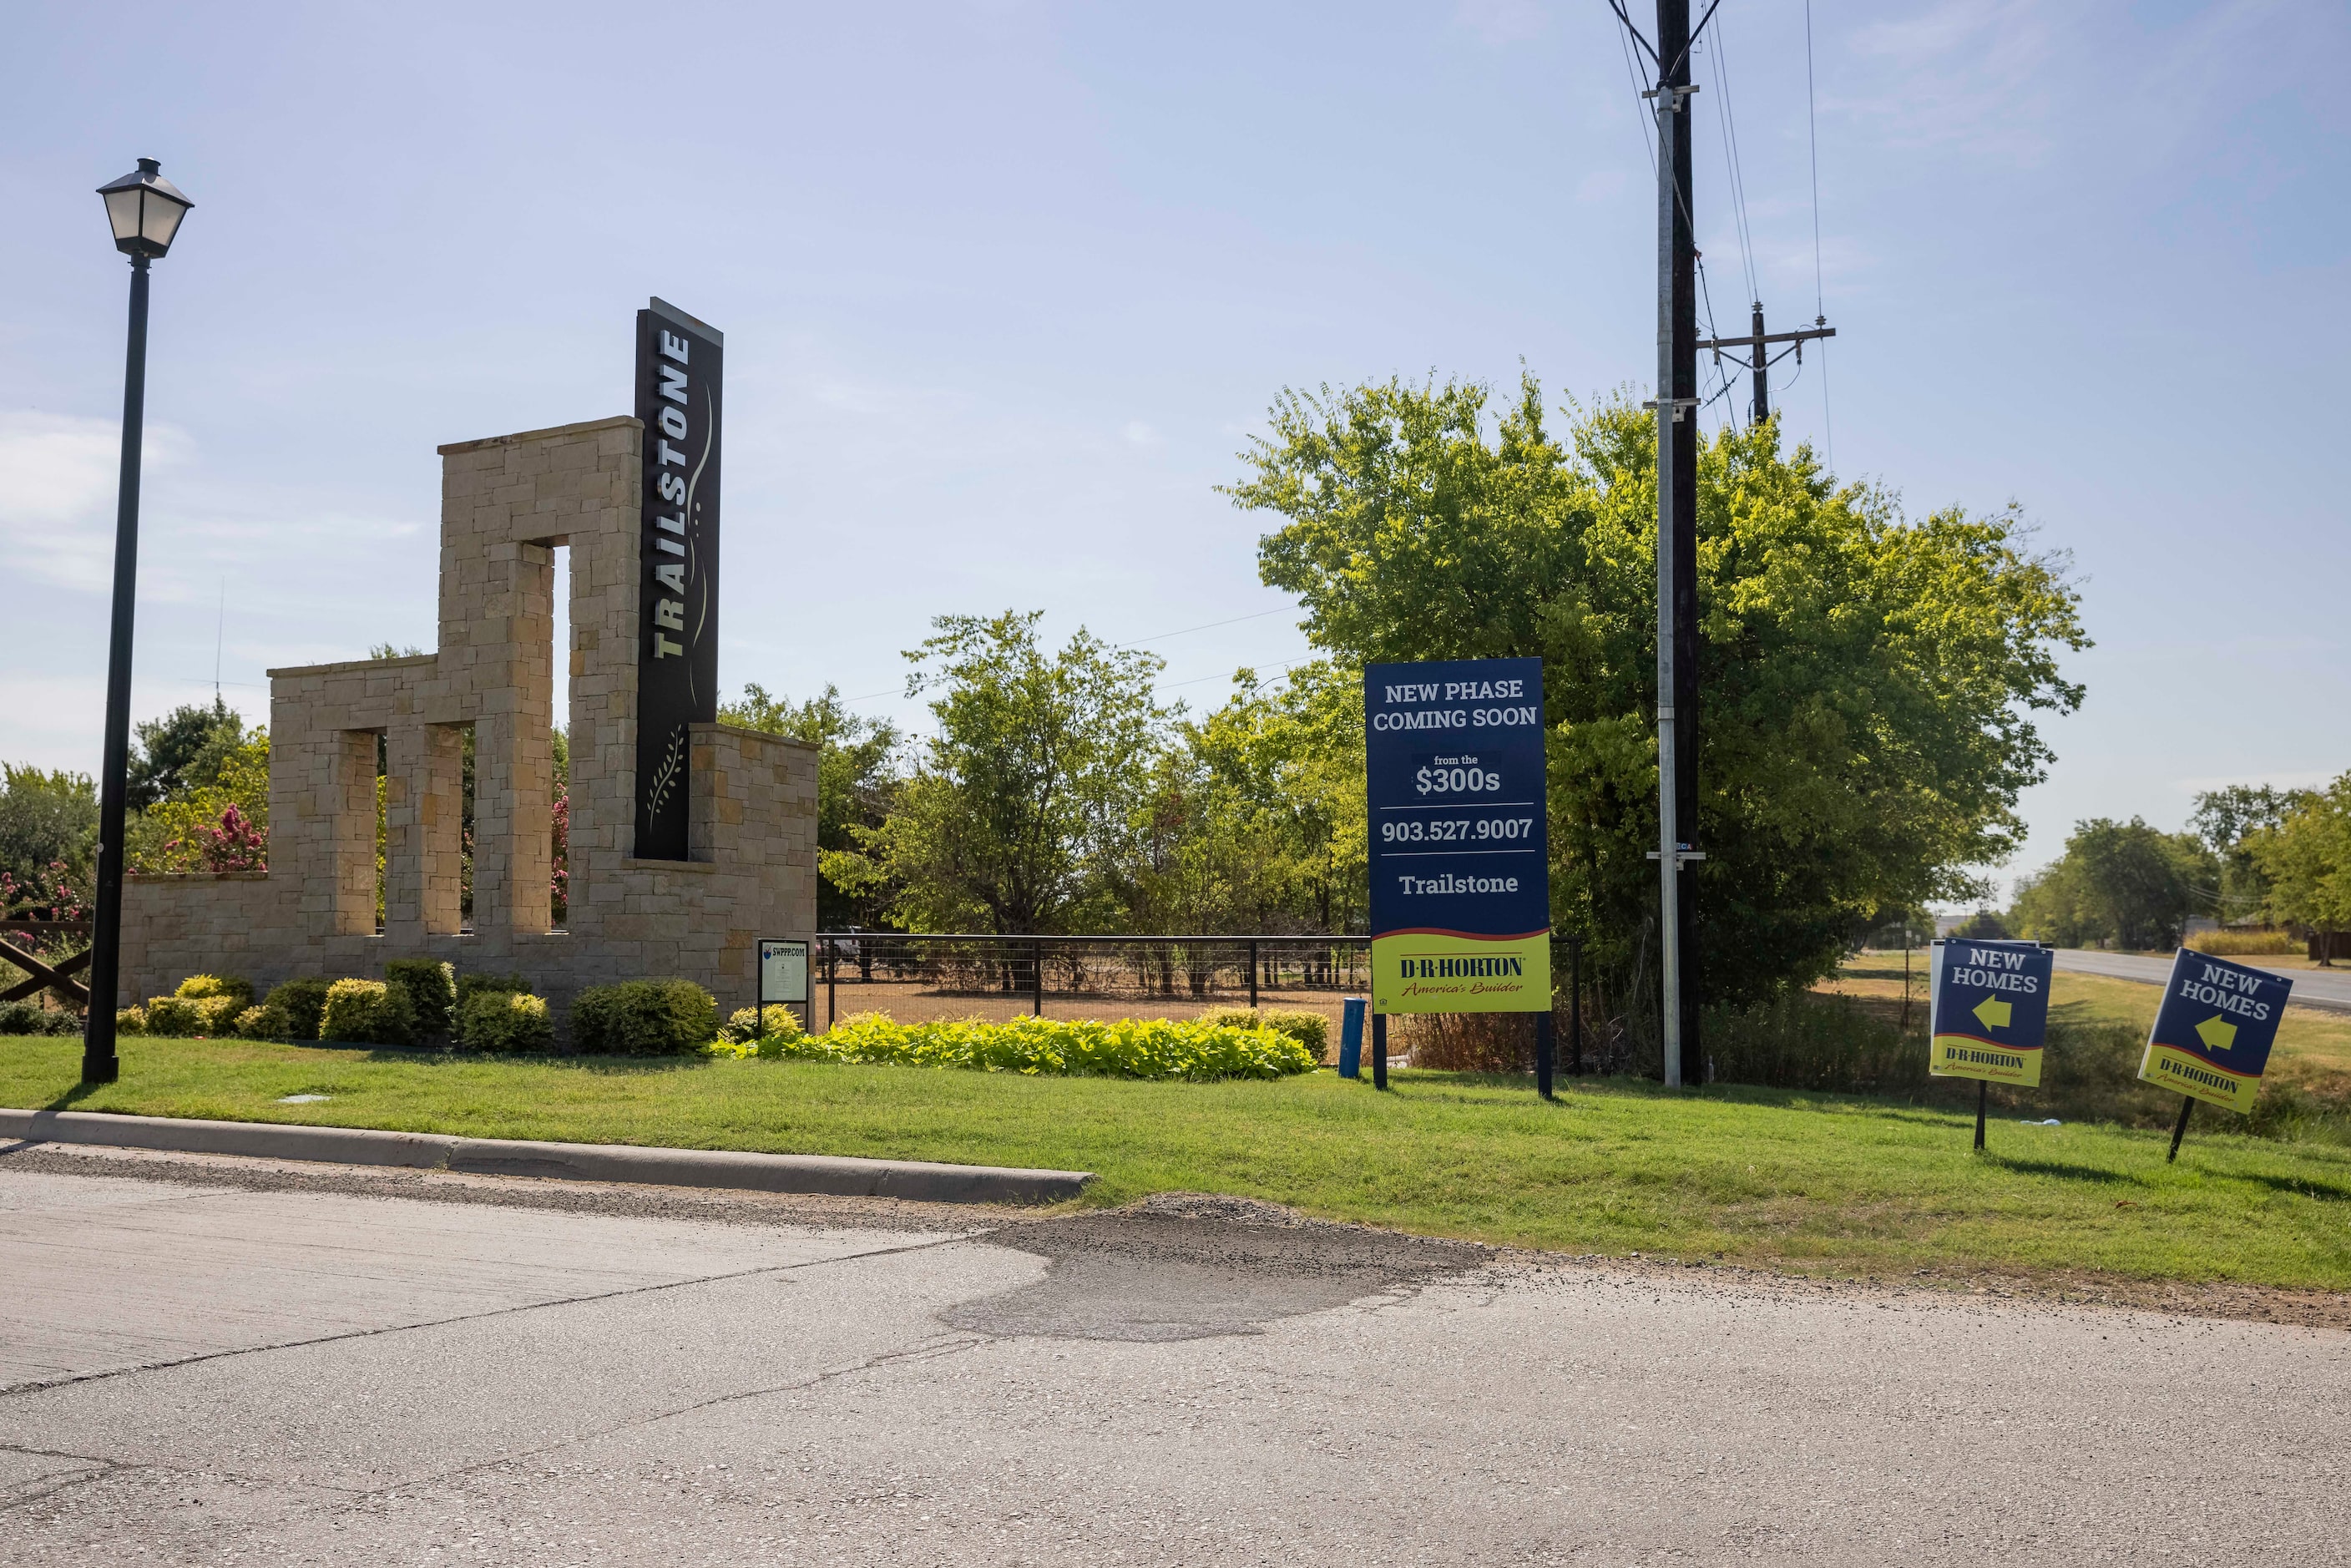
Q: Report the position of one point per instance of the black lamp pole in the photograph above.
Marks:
(98, 1060)
(145, 210)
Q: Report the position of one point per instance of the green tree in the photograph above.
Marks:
(1870, 682)
(2306, 859)
(1020, 810)
(1270, 817)
(180, 752)
(47, 821)
(857, 780)
(2226, 820)
(2120, 882)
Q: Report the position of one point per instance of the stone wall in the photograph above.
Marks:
(506, 504)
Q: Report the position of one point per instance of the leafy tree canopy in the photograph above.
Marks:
(46, 821)
(2306, 858)
(1870, 682)
(1018, 809)
(856, 781)
(2119, 882)
(182, 752)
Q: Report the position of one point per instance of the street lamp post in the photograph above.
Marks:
(144, 209)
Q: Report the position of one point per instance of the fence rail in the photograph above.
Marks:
(929, 977)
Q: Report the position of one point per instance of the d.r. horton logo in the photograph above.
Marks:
(1448, 967)
(1462, 973)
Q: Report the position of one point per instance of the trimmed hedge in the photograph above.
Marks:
(23, 1018)
(173, 1016)
(300, 1003)
(470, 985)
(432, 987)
(1198, 1051)
(643, 1018)
(507, 1021)
(368, 1012)
(203, 988)
(1310, 1029)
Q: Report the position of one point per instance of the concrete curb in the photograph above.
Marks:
(920, 1181)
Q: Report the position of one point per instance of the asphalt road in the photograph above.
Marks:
(214, 1363)
(2328, 988)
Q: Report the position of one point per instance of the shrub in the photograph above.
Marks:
(203, 988)
(504, 1021)
(262, 1022)
(643, 1018)
(131, 1020)
(173, 1016)
(300, 1001)
(216, 1016)
(1196, 1051)
(471, 984)
(2244, 944)
(368, 1012)
(432, 987)
(745, 1025)
(1463, 1043)
(1310, 1029)
(25, 1017)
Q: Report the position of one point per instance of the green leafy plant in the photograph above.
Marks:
(745, 1025)
(131, 1020)
(368, 1012)
(432, 987)
(1194, 1050)
(504, 1021)
(294, 1007)
(643, 1018)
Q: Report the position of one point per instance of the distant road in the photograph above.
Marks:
(2328, 988)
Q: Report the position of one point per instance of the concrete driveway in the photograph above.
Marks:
(209, 1361)
(2327, 988)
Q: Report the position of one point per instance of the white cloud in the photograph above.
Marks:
(58, 478)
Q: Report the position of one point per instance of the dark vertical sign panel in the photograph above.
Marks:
(680, 398)
(1460, 867)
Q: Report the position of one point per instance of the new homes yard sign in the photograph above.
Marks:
(679, 360)
(1460, 874)
(1989, 1010)
(2212, 1034)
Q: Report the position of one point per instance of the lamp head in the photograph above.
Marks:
(144, 209)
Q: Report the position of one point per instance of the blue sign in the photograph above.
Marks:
(1990, 1010)
(1460, 865)
(2212, 1035)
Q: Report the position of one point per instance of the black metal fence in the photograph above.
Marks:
(919, 979)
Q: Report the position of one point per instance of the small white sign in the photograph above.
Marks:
(783, 972)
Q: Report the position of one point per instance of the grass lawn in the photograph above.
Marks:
(1762, 1177)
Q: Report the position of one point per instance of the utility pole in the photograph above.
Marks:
(1676, 406)
(1758, 361)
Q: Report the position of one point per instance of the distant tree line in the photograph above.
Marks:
(2253, 854)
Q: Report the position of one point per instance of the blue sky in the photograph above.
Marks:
(1007, 285)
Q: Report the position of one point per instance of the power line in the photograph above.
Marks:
(1163, 636)
(1820, 291)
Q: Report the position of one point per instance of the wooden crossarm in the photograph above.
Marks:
(45, 978)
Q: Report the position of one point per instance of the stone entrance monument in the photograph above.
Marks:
(748, 828)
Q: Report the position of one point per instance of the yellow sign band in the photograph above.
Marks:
(1438, 972)
(1966, 1056)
